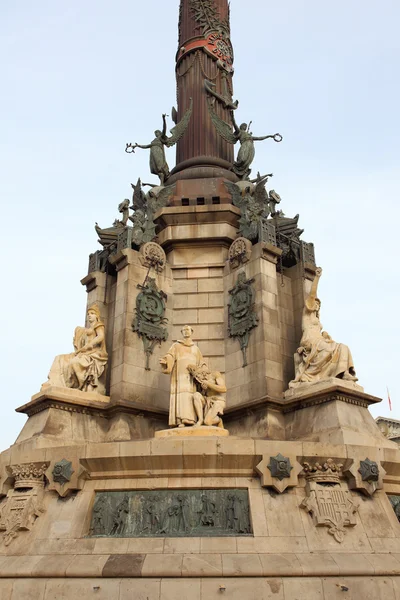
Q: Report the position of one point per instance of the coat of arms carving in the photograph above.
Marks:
(241, 313)
(329, 500)
(23, 504)
(149, 318)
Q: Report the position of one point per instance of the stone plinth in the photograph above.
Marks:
(189, 432)
(311, 390)
(332, 411)
(74, 396)
(287, 556)
(64, 416)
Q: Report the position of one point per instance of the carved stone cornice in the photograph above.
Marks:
(331, 390)
(94, 280)
(270, 252)
(86, 403)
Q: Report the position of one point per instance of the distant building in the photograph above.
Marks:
(390, 428)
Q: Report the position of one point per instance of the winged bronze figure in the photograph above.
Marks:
(253, 200)
(158, 162)
(145, 207)
(243, 135)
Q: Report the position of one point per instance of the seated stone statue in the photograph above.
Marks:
(210, 403)
(318, 356)
(83, 368)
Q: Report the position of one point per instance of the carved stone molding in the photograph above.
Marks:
(365, 476)
(94, 280)
(328, 498)
(279, 472)
(153, 255)
(239, 252)
(270, 252)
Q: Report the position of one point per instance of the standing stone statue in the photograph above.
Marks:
(176, 362)
(83, 368)
(318, 356)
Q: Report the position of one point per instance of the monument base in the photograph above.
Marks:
(203, 431)
(332, 411)
(66, 416)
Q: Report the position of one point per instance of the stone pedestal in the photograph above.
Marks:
(189, 432)
(332, 411)
(63, 416)
(285, 556)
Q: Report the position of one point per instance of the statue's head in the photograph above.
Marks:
(243, 127)
(187, 331)
(93, 314)
(317, 306)
(158, 133)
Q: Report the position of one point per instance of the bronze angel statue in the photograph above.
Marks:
(246, 138)
(158, 162)
(254, 202)
(145, 206)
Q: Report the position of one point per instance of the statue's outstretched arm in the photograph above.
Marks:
(310, 301)
(146, 147)
(164, 129)
(275, 136)
(235, 125)
(167, 363)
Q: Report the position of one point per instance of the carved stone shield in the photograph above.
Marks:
(149, 318)
(331, 505)
(241, 313)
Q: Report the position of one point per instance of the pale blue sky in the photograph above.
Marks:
(79, 79)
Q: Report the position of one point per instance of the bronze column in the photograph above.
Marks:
(204, 54)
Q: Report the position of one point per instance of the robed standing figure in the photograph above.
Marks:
(182, 354)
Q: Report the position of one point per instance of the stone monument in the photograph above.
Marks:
(244, 463)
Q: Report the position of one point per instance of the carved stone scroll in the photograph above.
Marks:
(241, 314)
(169, 513)
(149, 318)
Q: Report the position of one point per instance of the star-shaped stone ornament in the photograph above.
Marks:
(279, 472)
(280, 466)
(366, 476)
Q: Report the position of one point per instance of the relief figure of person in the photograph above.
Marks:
(319, 356)
(82, 368)
(182, 354)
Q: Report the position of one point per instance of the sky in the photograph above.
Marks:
(80, 79)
